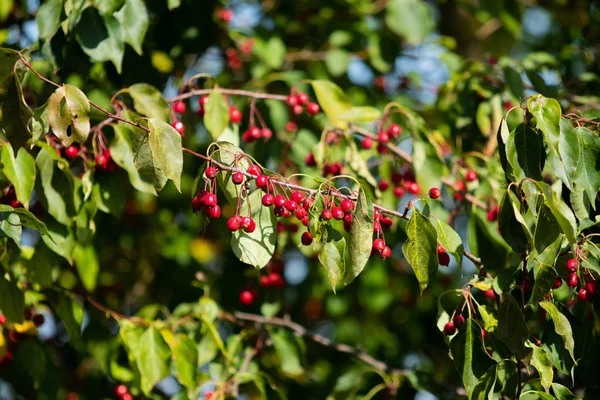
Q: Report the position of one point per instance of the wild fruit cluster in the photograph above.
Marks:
(122, 392)
(587, 290)
(383, 138)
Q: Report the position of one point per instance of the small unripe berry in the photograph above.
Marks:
(434, 193)
(572, 280)
(378, 244)
(179, 127)
(237, 178)
(234, 223)
(268, 200)
(313, 108)
(179, 107)
(72, 152)
(306, 238)
(246, 297)
(235, 116)
(367, 143)
(211, 172)
(326, 215)
(449, 328)
(458, 321)
(572, 265)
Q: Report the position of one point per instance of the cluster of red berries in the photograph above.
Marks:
(492, 214)
(274, 279)
(233, 59)
(254, 133)
(296, 103)
(452, 326)
(104, 162)
(402, 183)
(588, 291)
(122, 392)
(383, 138)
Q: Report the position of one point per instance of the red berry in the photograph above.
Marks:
(347, 225)
(179, 127)
(440, 249)
(280, 201)
(592, 288)
(449, 328)
(208, 395)
(313, 108)
(483, 334)
(492, 214)
(302, 98)
(348, 218)
(387, 222)
(202, 101)
(38, 319)
(214, 212)
(291, 126)
(572, 265)
(235, 116)
(211, 172)
(309, 160)
(297, 109)
(434, 193)
(326, 215)
(2, 319)
(253, 170)
(337, 213)
(121, 390)
(276, 280)
(471, 176)
(254, 133)
(305, 220)
(262, 181)
(297, 197)
(293, 228)
(210, 200)
(395, 130)
(383, 185)
(101, 163)
(557, 283)
(336, 168)
(443, 259)
(378, 244)
(414, 188)
(249, 227)
(306, 238)
(490, 294)
(572, 280)
(398, 191)
(268, 200)
(383, 137)
(197, 203)
(458, 321)
(246, 297)
(237, 178)
(179, 107)
(300, 213)
(367, 143)
(264, 281)
(582, 294)
(291, 205)
(72, 152)
(291, 100)
(460, 186)
(226, 15)
(15, 203)
(386, 252)
(266, 133)
(234, 223)
(396, 177)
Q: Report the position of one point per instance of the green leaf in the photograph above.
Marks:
(360, 238)
(28, 220)
(547, 113)
(256, 248)
(227, 155)
(525, 152)
(587, 175)
(10, 224)
(331, 256)
(149, 101)
(514, 81)
(512, 225)
(71, 314)
(536, 395)
(545, 276)
(152, 359)
(14, 112)
(562, 212)
(130, 149)
(101, 37)
(360, 114)
(289, 353)
(547, 230)
(48, 18)
(420, 249)
(333, 101)
(39, 123)
(272, 51)
(563, 393)
(450, 241)
(503, 136)
(469, 355)
(542, 364)
(20, 171)
(512, 328)
(69, 115)
(12, 300)
(167, 152)
(337, 61)
(561, 326)
(185, 356)
(357, 163)
(58, 186)
(134, 22)
(569, 146)
(207, 350)
(173, 4)
(87, 265)
(216, 117)
(411, 19)
(41, 264)
(428, 166)
(486, 385)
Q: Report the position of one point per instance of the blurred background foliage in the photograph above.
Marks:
(460, 63)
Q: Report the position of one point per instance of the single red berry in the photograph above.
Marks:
(297, 109)
(280, 201)
(396, 177)
(210, 200)
(309, 160)
(264, 281)
(297, 197)
(313, 108)
(2, 319)
(302, 98)
(398, 191)
(179, 127)
(72, 152)
(444, 259)
(383, 137)
(179, 107)
(414, 188)
(268, 200)
(573, 280)
(348, 218)
(377, 214)
(336, 168)
(471, 176)
(292, 101)
(300, 213)
(484, 334)
(305, 220)
(378, 244)
(38, 319)
(386, 252)
(211, 172)
(337, 213)
(101, 162)
(492, 214)
(120, 390)
(235, 115)
(458, 321)
(507, 105)
(377, 227)
(592, 288)
(250, 227)
(347, 205)
(197, 203)
(246, 137)
(237, 178)
(246, 297)
(214, 212)
(582, 294)
(460, 186)
(262, 181)
(557, 283)
(254, 133)
(276, 280)
(266, 133)
(449, 328)
(434, 193)
(291, 205)
(254, 170)
(490, 294)
(306, 238)
(234, 223)
(367, 143)
(15, 203)
(202, 101)
(440, 249)
(387, 222)
(208, 395)
(572, 265)
(383, 185)
(395, 130)
(326, 215)
(226, 15)
(291, 126)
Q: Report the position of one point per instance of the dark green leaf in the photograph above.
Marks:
(486, 242)
(450, 240)
(41, 264)
(167, 152)
(503, 136)
(547, 229)
(514, 81)
(101, 37)
(57, 185)
(512, 225)
(360, 238)
(512, 328)
(331, 256)
(10, 224)
(570, 148)
(525, 152)
(20, 171)
(545, 276)
(134, 23)
(12, 300)
(216, 115)
(14, 112)
(420, 249)
(562, 212)
(69, 115)
(71, 314)
(39, 123)
(289, 353)
(587, 175)
(149, 101)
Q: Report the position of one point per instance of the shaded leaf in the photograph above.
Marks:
(101, 37)
(70, 313)
(525, 152)
(563, 393)
(288, 352)
(12, 300)
(545, 276)
(10, 224)
(331, 256)
(337, 61)
(57, 185)
(134, 23)
(420, 249)
(587, 175)
(542, 364)
(411, 19)
(512, 328)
